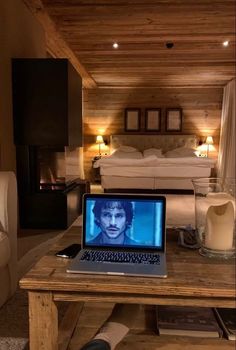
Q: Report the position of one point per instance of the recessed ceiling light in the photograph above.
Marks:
(226, 43)
(115, 45)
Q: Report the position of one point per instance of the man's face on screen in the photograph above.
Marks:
(113, 221)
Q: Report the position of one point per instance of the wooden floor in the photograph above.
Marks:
(143, 336)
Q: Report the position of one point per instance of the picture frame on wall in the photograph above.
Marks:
(153, 119)
(174, 119)
(132, 119)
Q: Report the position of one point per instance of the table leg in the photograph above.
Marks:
(43, 321)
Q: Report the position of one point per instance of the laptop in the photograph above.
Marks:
(123, 234)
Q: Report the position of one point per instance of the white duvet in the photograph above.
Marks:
(153, 161)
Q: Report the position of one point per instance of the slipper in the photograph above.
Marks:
(96, 344)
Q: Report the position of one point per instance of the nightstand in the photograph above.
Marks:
(96, 171)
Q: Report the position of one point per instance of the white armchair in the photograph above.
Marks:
(8, 235)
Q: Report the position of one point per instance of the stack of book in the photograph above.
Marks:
(188, 321)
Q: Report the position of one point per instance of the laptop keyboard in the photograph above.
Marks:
(121, 257)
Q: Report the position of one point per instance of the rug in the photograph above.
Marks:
(180, 210)
(14, 324)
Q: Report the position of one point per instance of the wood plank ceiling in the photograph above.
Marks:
(197, 28)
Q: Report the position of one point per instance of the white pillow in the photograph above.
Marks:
(181, 152)
(127, 155)
(153, 152)
(127, 149)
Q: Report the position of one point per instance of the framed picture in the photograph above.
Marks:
(132, 119)
(153, 119)
(174, 119)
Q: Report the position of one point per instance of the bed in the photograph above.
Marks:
(152, 163)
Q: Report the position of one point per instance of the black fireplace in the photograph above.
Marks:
(47, 114)
(50, 167)
(48, 197)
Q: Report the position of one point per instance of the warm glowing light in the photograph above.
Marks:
(115, 45)
(100, 142)
(99, 139)
(226, 43)
(209, 140)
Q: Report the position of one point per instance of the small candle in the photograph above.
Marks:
(219, 227)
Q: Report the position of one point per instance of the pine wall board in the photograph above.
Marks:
(104, 113)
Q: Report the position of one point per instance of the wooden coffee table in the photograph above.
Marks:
(192, 280)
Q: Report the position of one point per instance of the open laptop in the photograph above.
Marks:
(123, 234)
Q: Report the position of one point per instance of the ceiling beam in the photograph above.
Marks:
(56, 45)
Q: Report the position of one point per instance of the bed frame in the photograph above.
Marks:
(142, 142)
(157, 185)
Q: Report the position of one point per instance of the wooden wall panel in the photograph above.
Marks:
(104, 113)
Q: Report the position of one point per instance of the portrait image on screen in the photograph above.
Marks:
(124, 222)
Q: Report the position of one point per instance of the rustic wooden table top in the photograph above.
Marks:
(192, 279)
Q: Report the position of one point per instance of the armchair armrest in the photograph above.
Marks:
(5, 249)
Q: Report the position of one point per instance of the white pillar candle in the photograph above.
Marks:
(219, 228)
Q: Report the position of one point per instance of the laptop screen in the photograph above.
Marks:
(124, 220)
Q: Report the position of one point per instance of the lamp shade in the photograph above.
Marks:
(99, 139)
(209, 140)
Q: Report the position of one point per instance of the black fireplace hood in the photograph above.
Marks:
(47, 102)
(47, 115)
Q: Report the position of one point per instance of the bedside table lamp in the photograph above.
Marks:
(99, 141)
(209, 141)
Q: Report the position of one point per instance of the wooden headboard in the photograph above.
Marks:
(142, 142)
